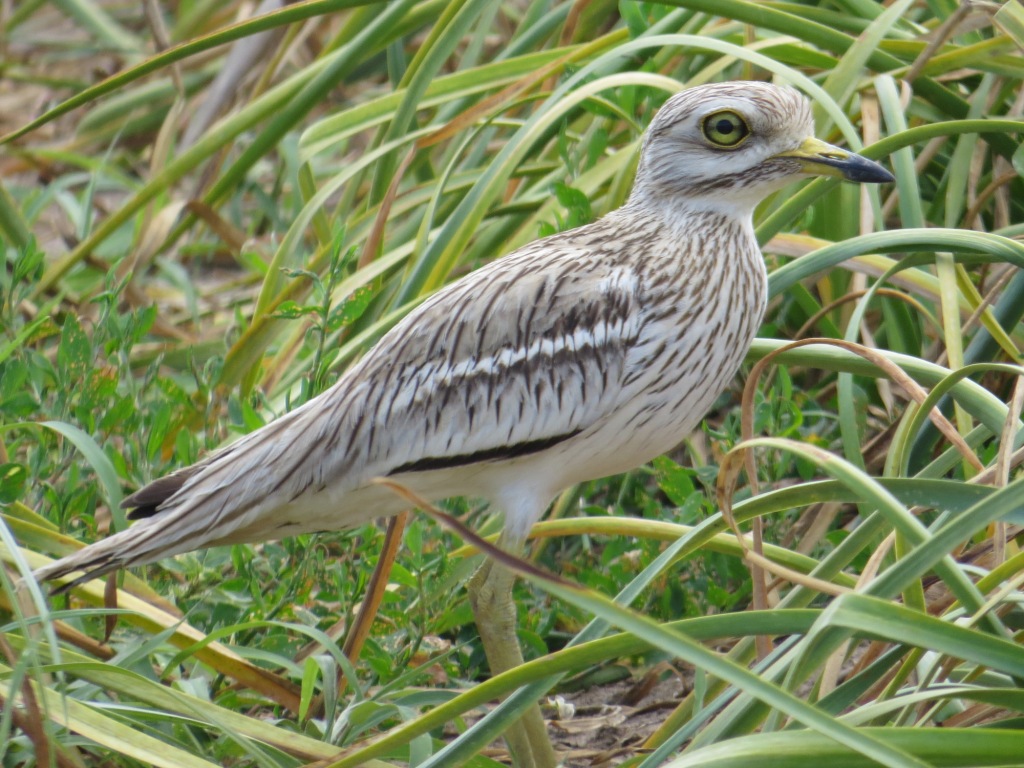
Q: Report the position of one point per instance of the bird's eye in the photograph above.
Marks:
(725, 129)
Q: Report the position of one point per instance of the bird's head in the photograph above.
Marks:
(728, 145)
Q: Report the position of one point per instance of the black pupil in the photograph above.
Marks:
(725, 127)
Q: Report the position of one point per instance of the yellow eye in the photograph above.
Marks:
(725, 129)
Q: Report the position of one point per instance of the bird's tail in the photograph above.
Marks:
(231, 496)
(95, 560)
(148, 540)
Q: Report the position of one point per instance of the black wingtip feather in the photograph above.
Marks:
(146, 501)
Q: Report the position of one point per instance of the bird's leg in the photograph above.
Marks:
(490, 595)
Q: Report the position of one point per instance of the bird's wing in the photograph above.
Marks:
(516, 357)
(509, 361)
(519, 355)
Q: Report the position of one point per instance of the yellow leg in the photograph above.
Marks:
(490, 595)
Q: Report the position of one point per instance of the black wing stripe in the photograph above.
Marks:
(499, 453)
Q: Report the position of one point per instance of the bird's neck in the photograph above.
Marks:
(734, 204)
(683, 219)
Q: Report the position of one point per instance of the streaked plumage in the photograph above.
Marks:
(578, 356)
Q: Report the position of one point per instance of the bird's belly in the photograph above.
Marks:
(652, 422)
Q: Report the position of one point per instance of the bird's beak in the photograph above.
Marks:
(820, 159)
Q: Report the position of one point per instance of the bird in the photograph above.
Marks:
(578, 356)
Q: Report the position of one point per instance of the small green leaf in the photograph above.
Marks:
(74, 353)
(41, 329)
(28, 266)
(290, 310)
(353, 308)
(12, 482)
(633, 16)
(310, 672)
(596, 147)
(571, 197)
(243, 415)
(674, 480)
(157, 432)
(99, 462)
(19, 405)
